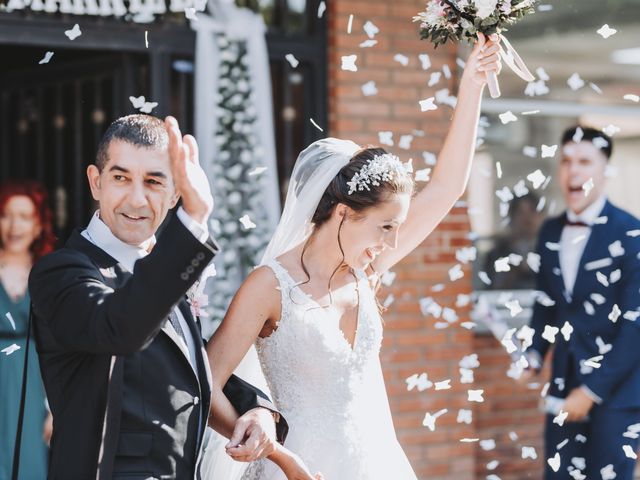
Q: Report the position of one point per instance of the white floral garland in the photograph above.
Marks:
(240, 224)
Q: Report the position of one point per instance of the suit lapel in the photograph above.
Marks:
(201, 354)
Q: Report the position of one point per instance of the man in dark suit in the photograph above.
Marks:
(589, 280)
(122, 358)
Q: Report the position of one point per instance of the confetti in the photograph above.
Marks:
(608, 473)
(561, 417)
(550, 333)
(369, 89)
(257, 171)
(507, 117)
(73, 33)
(502, 265)
(385, 138)
(611, 130)
(488, 445)
(421, 382)
(596, 264)
(566, 330)
(615, 276)
(46, 59)
(606, 31)
(148, 107)
(575, 82)
(456, 273)
(594, 362)
(589, 308)
(616, 249)
(443, 385)
(615, 313)
(595, 88)
(370, 29)
(387, 278)
(632, 98)
(465, 416)
(587, 187)
(475, 395)
(11, 321)
(315, 124)
(247, 223)
(401, 59)
(484, 278)
(322, 7)
(554, 462)
(492, 465)
(434, 78)
(430, 420)
(427, 104)
(405, 143)
(536, 178)
(388, 301)
(349, 63)
(514, 307)
(530, 151)
(529, 452)
(498, 170)
(549, 151)
(423, 175)
(629, 452)
(368, 44)
(146, 39)
(137, 102)
(350, 24)
(603, 348)
(446, 71)
(520, 189)
(293, 61)
(466, 375)
(425, 61)
(10, 349)
(504, 194)
(633, 233)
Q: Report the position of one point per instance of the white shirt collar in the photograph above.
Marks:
(98, 233)
(590, 213)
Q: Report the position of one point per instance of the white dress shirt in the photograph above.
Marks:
(574, 240)
(100, 235)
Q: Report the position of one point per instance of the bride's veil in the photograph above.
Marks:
(314, 169)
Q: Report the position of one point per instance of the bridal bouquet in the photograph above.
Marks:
(460, 20)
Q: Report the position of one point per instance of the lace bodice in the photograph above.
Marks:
(307, 361)
(331, 394)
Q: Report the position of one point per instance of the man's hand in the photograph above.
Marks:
(254, 436)
(577, 405)
(190, 181)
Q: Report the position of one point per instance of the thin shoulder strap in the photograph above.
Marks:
(23, 395)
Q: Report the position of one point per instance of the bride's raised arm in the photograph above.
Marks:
(451, 173)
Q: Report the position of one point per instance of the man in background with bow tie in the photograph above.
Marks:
(122, 357)
(588, 309)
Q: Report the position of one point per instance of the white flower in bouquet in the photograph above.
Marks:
(224, 156)
(243, 86)
(485, 8)
(230, 256)
(234, 198)
(234, 172)
(230, 229)
(434, 14)
(505, 8)
(245, 156)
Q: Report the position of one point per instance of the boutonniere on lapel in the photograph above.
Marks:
(195, 295)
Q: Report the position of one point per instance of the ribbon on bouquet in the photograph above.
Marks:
(511, 58)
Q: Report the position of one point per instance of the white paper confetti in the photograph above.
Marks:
(434, 78)
(370, 29)
(587, 187)
(369, 89)
(549, 151)
(566, 330)
(575, 82)
(484, 278)
(554, 462)
(423, 175)
(502, 265)
(629, 452)
(73, 33)
(246, 222)
(488, 444)
(601, 277)
(520, 189)
(425, 61)
(606, 31)
(427, 104)
(465, 416)
(349, 63)
(387, 278)
(293, 61)
(550, 333)
(430, 420)
(322, 7)
(443, 385)
(456, 273)
(608, 473)
(11, 321)
(529, 452)
(475, 396)
(616, 249)
(10, 349)
(421, 382)
(504, 194)
(507, 117)
(46, 59)
(401, 59)
(257, 171)
(514, 307)
(350, 24)
(603, 348)
(466, 375)
(536, 178)
(611, 130)
(368, 43)
(405, 144)
(561, 417)
(615, 313)
(632, 98)
(313, 122)
(385, 138)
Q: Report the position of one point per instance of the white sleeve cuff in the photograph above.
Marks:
(591, 394)
(199, 230)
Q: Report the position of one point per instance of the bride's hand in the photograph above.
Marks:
(484, 58)
(292, 465)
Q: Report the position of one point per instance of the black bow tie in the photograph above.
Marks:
(569, 223)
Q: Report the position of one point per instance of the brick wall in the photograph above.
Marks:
(412, 343)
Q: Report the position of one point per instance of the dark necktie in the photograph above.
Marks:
(175, 323)
(569, 223)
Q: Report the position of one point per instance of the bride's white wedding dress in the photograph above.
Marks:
(331, 394)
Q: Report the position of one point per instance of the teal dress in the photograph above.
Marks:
(34, 453)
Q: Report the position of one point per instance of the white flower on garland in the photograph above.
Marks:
(485, 8)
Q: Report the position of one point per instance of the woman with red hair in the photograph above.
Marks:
(26, 234)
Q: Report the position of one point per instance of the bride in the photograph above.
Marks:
(311, 310)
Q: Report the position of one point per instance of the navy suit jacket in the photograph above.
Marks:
(603, 281)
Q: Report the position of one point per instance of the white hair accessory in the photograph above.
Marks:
(382, 168)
